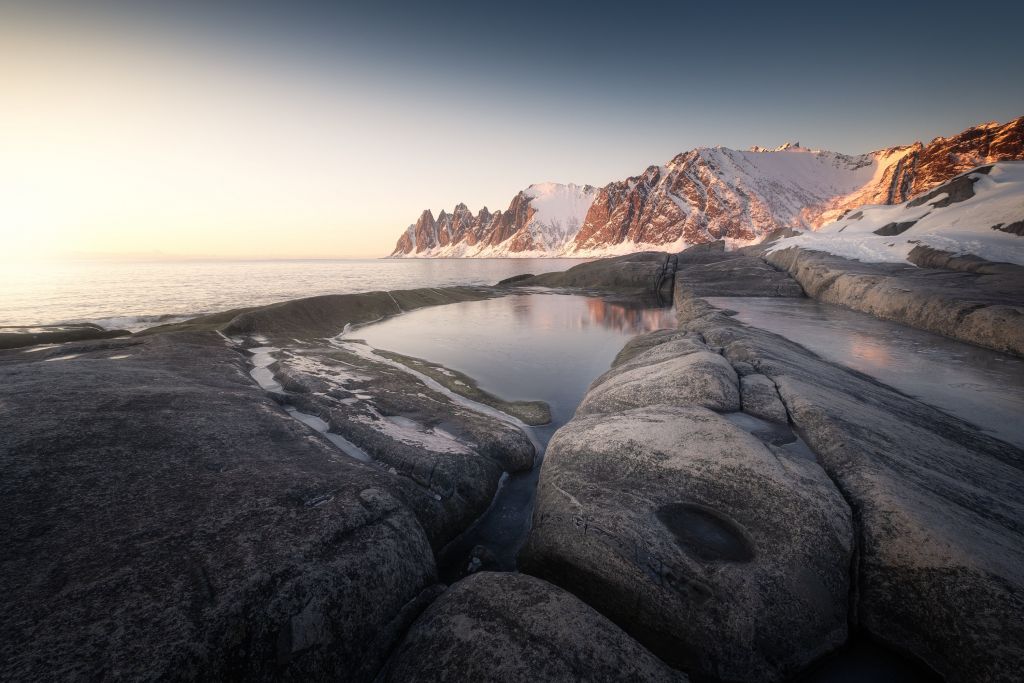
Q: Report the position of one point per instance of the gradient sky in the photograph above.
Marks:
(322, 129)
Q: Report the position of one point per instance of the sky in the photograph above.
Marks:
(322, 129)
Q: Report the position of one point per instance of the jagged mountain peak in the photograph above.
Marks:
(710, 193)
(784, 147)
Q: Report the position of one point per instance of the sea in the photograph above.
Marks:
(134, 295)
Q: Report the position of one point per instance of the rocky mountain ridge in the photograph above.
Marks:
(706, 194)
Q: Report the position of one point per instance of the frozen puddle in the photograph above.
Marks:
(262, 359)
(781, 436)
(347, 447)
(980, 386)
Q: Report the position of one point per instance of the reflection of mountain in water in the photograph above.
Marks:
(629, 317)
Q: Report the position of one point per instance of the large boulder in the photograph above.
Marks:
(696, 378)
(325, 316)
(726, 559)
(648, 271)
(736, 273)
(165, 519)
(513, 627)
(938, 505)
(448, 458)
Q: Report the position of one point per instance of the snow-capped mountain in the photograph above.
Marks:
(542, 220)
(980, 212)
(707, 194)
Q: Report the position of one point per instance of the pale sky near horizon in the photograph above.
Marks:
(322, 129)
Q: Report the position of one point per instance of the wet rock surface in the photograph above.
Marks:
(530, 412)
(954, 296)
(725, 558)
(938, 508)
(513, 627)
(450, 458)
(164, 518)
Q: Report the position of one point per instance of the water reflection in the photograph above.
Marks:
(633, 318)
(525, 346)
(981, 386)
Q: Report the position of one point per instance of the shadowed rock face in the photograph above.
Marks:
(743, 272)
(649, 271)
(890, 229)
(705, 533)
(16, 337)
(727, 559)
(164, 518)
(1015, 228)
(960, 188)
(938, 506)
(324, 316)
(513, 627)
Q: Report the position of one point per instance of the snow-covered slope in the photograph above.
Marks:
(980, 212)
(707, 194)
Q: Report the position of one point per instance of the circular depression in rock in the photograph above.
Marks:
(706, 533)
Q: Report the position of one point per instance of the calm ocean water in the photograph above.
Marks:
(138, 294)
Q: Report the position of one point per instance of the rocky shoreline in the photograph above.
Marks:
(725, 505)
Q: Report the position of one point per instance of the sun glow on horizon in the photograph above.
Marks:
(105, 149)
(170, 130)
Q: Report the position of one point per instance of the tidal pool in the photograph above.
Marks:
(529, 346)
(983, 387)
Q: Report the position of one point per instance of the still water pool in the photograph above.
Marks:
(534, 345)
(980, 386)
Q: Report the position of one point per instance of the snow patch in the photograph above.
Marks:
(964, 227)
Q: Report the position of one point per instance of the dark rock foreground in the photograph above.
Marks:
(724, 504)
(906, 525)
(449, 457)
(513, 627)
(165, 519)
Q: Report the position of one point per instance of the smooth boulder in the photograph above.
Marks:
(514, 627)
(700, 378)
(726, 559)
(938, 504)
